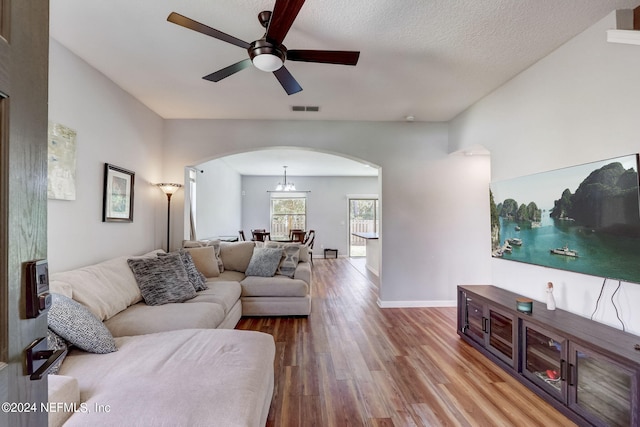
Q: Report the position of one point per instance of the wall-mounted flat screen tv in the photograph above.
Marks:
(583, 218)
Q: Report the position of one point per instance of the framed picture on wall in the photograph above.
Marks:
(118, 194)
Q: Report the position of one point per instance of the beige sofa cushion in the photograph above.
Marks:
(276, 286)
(237, 255)
(140, 319)
(192, 377)
(276, 306)
(106, 288)
(62, 389)
(227, 276)
(303, 272)
(224, 293)
(204, 243)
(205, 260)
(62, 288)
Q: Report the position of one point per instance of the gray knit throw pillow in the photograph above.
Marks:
(197, 279)
(264, 262)
(162, 280)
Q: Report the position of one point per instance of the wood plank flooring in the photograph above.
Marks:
(351, 363)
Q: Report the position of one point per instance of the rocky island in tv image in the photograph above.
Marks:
(583, 218)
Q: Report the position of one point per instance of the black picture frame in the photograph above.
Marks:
(117, 201)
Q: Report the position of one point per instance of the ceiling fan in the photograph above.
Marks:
(268, 53)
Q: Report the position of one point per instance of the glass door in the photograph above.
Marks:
(601, 390)
(544, 360)
(475, 321)
(502, 335)
(363, 218)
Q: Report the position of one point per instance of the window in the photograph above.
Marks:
(287, 213)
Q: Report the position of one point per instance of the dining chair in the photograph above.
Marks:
(259, 235)
(292, 230)
(298, 236)
(308, 242)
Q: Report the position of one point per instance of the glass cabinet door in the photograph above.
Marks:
(502, 335)
(475, 320)
(601, 389)
(544, 360)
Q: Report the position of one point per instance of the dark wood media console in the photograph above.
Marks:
(587, 370)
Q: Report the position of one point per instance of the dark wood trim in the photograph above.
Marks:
(4, 238)
(636, 18)
(5, 19)
(4, 178)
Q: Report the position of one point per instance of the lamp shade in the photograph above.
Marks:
(169, 188)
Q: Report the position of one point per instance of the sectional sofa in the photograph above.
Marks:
(175, 363)
(286, 293)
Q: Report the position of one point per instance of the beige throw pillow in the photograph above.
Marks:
(205, 260)
(237, 255)
(203, 243)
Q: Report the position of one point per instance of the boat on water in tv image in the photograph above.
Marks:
(565, 251)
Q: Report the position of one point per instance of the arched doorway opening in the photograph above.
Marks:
(230, 193)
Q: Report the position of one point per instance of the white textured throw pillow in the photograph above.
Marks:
(264, 262)
(290, 259)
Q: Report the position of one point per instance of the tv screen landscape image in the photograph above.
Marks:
(583, 218)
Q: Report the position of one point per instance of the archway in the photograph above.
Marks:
(232, 192)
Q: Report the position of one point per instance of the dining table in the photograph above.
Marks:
(282, 240)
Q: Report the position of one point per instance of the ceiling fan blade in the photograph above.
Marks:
(284, 13)
(287, 81)
(227, 71)
(342, 57)
(189, 23)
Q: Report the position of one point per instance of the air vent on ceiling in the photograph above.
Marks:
(314, 108)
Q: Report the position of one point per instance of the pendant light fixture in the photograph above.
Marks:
(286, 186)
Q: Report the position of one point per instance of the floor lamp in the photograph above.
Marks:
(169, 189)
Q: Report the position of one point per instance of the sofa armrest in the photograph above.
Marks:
(303, 272)
(64, 396)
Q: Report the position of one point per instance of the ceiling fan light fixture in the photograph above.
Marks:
(267, 62)
(266, 56)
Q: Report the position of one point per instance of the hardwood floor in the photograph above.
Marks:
(351, 363)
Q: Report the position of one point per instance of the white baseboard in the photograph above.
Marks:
(415, 304)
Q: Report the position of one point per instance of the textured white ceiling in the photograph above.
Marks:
(426, 58)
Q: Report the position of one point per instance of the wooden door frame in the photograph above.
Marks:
(24, 60)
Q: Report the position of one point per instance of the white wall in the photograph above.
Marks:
(327, 205)
(219, 201)
(111, 127)
(427, 196)
(579, 104)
